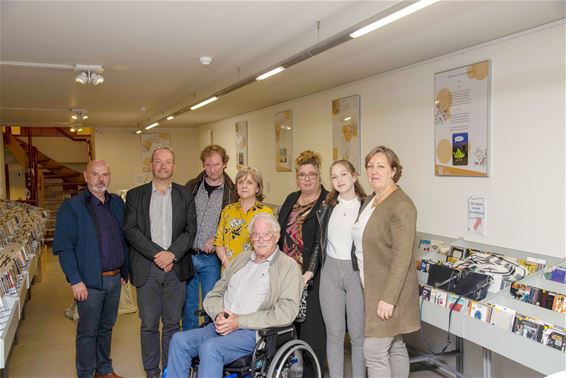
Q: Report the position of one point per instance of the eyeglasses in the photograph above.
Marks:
(266, 236)
(304, 176)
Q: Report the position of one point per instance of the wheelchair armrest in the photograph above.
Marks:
(276, 330)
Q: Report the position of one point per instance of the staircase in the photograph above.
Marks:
(56, 182)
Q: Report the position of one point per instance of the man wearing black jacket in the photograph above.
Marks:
(212, 190)
(159, 228)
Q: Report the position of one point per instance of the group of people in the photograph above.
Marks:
(347, 256)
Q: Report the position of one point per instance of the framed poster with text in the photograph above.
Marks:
(346, 130)
(283, 123)
(461, 120)
(241, 143)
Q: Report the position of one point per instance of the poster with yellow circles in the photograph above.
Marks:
(346, 130)
(461, 120)
(150, 142)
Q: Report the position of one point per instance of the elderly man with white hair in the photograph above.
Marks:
(259, 289)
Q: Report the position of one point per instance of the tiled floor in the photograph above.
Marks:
(46, 345)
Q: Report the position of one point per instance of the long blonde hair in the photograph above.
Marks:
(332, 197)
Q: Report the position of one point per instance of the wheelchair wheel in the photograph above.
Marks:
(290, 360)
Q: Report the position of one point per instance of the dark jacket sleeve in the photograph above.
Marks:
(65, 242)
(184, 240)
(135, 236)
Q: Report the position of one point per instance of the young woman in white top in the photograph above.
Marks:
(340, 287)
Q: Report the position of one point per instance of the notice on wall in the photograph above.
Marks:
(461, 120)
(477, 216)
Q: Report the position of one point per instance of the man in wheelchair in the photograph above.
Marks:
(259, 289)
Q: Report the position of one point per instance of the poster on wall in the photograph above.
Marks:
(346, 130)
(461, 120)
(283, 141)
(241, 143)
(150, 142)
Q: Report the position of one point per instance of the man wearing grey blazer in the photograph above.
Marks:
(159, 227)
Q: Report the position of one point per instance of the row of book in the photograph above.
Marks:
(503, 270)
(22, 228)
(18, 221)
(555, 273)
(539, 297)
(499, 316)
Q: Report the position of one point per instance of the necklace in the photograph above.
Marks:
(347, 205)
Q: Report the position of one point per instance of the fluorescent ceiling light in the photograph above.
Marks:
(392, 17)
(274, 71)
(152, 125)
(138, 132)
(203, 103)
(170, 118)
(347, 119)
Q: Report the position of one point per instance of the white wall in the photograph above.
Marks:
(121, 148)
(17, 181)
(63, 150)
(525, 191)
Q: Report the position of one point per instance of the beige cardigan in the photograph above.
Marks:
(282, 304)
(389, 268)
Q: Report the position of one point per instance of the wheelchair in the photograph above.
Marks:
(277, 354)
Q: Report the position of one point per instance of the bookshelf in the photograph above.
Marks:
(532, 354)
(22, 228)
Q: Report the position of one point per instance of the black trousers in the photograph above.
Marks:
(160, 298)
(313, 329)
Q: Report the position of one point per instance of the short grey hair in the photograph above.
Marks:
(275, 227)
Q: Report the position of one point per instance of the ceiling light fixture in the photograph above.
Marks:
(392, 17)
(274, 71)
(72, 129)
(82, 78)
(170, 118)
(79, 114)
(152, 125)
(138, 132)
(89, 77)
(203, 103)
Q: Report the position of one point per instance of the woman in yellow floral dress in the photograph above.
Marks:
(232, 236)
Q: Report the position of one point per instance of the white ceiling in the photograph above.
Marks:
(150, 51)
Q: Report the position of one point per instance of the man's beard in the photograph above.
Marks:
(99, 189)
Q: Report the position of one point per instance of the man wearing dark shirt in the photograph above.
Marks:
(212, 190)
(92, 253)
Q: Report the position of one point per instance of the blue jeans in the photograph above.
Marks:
(97, 315)
(213, 350)
(207, 272)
